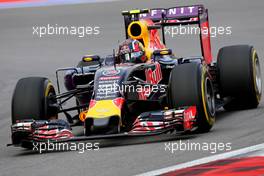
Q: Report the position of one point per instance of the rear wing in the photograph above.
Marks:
(183, 15)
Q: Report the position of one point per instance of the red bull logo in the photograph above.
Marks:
(154, 76)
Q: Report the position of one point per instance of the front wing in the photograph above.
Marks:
(146, 124)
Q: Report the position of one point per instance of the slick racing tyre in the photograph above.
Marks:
(190, 85)
(239, 76)
(30, 99)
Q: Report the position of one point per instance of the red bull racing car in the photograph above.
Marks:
(119, 95)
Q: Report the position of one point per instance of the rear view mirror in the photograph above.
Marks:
(162, 52)
(91, 58)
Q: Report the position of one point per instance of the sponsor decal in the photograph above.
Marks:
(110, 78)
(189, 117)
(172, 12)
(154, 76)
(111, 72)
(102, 110)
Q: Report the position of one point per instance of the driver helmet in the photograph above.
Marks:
(132, 51)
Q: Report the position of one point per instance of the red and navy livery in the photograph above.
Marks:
(167, 93)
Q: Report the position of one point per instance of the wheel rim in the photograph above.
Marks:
(50, 92)
(210, 98)
(258, 81)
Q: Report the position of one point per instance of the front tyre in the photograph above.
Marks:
(190, 85)
(31, 100)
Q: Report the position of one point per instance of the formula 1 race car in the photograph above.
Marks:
(164, 94)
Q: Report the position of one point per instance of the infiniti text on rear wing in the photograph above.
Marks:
(173, 13)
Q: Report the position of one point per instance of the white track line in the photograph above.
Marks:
(204, 160)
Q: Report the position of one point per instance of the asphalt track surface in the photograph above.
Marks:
(22, 54)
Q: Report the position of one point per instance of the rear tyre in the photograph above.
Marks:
(239, 76)
(30, 100)
(190, 85)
